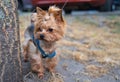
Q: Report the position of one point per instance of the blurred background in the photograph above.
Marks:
(72, 5)
(90, 50)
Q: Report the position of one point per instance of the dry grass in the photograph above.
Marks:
(92, 40)
(32, 77)
(95, 71)
(89, 38)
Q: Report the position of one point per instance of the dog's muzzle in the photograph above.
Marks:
(42, 36)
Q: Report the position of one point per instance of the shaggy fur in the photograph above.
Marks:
(49, 27)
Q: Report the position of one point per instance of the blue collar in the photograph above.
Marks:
(44, 55)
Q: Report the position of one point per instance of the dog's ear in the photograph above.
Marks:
(40, 11)
(57, 13)
(58, 16)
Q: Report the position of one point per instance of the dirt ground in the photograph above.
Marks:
(90, 50)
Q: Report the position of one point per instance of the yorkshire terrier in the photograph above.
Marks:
(39, 47)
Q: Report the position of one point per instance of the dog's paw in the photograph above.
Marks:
(40, 75)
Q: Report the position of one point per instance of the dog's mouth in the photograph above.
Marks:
(42, 37)
(46, 40)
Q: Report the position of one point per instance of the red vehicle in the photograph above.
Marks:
(103, 5)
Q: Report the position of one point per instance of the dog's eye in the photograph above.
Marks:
(50, 29)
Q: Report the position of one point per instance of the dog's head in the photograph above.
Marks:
(49, 25)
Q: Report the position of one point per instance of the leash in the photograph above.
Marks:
(64, 4)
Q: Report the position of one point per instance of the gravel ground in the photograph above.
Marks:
(90, 50)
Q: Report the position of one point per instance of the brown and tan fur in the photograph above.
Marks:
(51, 25)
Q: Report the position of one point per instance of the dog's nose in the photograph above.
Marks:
(41, 36)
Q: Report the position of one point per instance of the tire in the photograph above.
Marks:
(107, 6)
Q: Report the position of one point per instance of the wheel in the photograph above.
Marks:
(108, 6)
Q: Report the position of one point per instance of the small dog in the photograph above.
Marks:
(47, 27)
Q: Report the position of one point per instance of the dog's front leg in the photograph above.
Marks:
(37, 66)
(35, 60)
(25, 50)
(51, 64)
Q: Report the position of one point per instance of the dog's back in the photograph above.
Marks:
(28, 34)
(29, 31)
